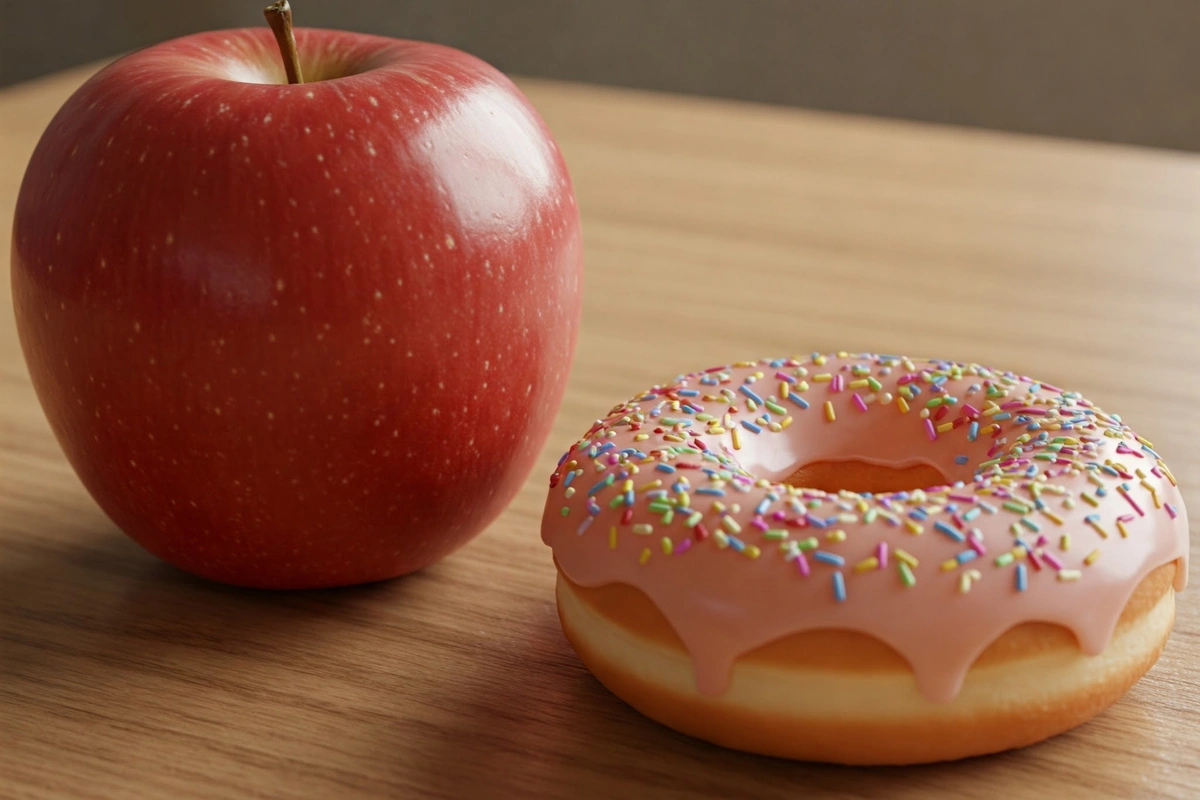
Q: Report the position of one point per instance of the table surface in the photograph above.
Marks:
(123, 678)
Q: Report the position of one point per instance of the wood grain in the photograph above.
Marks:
(713, 231)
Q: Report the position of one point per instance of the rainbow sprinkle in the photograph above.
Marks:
(1024, 452)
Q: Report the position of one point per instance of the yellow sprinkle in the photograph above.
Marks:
(751, 551)
(829, 415)
(1145, 442)
(721, 538)
(612, 538)
(737, 439)
(685, 499)
(1124, 531)
(1069, 574)
(820, 361)
(1087, 498)
(785, 422)
(644, 557)
(627, 486)
(867, 564)
(902, 404)
(1055, 518)
(802, 386)
(1064, 542)
(913, 527)
(670, 437)
(1140, 473)
(1091, 557)
(784, 389)
(945, 427)
(858, 384)
(641, 437)
(948, 564)
(654, 484)
(964, 584)
(667, 545)
(906, 557)
(836, 536)
(1095, 479)
(1096, 526)
(1018, 552)
(824, 377)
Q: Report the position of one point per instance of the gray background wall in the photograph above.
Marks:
(1115, 70)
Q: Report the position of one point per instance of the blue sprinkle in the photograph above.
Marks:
(1022, 577)
(816, 522)
(746, 390)
(960, 459)
(797, 399)
(972, 431)
(1002, 416)
(583, 526)
(1101, 491)
(570, 477)
(713, 492)
(608, 481)
(916, 390)
(762, 507)
(829, 558)
(942, 527)
(737, 544)
(629, 497)
(688, 393)
(665, 468)
(750, 426)
(839, 587)
(965, 556)
(1110, 470)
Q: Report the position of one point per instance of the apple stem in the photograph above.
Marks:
(279, 17)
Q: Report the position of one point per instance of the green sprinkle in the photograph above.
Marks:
(1004, 559)
(874, 384)
(773, 406)
(810, 543)
(1016, 508)
(906, 575)
(775, 533)
(566, 510)
(694, 520)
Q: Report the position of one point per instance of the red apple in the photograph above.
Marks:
(298, 335)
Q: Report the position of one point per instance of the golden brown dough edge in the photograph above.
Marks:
(830, 662)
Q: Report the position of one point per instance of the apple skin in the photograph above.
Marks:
(296, 336)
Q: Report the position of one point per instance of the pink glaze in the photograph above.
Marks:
(726, 584)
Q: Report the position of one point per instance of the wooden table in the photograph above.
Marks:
(122, 678)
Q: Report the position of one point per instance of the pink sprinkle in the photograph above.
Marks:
(614, 458)
(1051, 388)
(881, 553)
(1170, 509)
(1041, 540)
(785, 377)
(930, 431)
(1127, 518)
(977, 544)
(778, 515)
(962, 498)
(1133, 503)
(801, 563)
(1012, 404)
(837, 384)
(1051, 559)
(859, 403)
(715, 369)
(759, 523)
(1154, 471)
(907, 378)
(970, 410)
(1063, 461)
(683, 546)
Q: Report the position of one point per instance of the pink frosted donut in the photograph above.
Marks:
(865, 558)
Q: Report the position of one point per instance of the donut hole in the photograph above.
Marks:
(858, 476)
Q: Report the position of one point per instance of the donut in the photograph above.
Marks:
(865, 559)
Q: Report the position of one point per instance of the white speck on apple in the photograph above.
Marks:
(372, 100)
(449, 242)
(267, 119)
